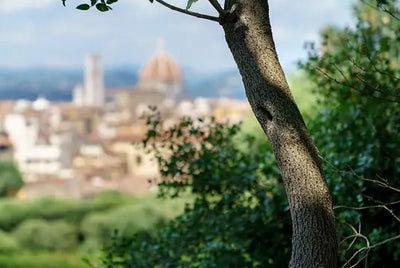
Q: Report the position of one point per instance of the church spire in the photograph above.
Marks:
(160, 46)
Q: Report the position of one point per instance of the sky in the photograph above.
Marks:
(43, 33)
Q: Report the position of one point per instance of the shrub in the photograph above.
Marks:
(128, 219)
(45, 235)
(239, 216)
(7, 243)
(52, 209)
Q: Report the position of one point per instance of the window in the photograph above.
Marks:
(138, 160)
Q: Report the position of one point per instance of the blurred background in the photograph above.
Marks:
(78, 185)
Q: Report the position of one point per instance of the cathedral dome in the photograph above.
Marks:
(160, 68)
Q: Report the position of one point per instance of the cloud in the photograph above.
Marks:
(11, 6)
(22, 36)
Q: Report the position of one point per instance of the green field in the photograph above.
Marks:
(41, 260)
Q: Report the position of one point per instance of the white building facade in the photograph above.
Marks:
(93, 92)
(39, 149)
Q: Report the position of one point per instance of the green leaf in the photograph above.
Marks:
(103, 7)
(63, 2)
(93, 2)
(83, 7)
(189, 3)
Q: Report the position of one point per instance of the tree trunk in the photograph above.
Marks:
(249, 37)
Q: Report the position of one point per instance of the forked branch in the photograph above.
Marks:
(218, 7)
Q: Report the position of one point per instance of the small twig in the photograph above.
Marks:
(353, 87)
(380, 183)
(367, 248)
(354, 236)
(360, 260)
(355, 255)
(187, 12)
(362, 254)
(370, 207)
(218, 7)
(385, 241)
(384, 9)
(383, 183)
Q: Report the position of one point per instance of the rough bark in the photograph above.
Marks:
(249, 37)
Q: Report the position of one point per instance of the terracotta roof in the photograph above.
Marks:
(62, 104)
(92, 139)
(6, 107)
(31, 114)
(161, 67)
(116, 90)
(4, 141)
(127, 138)
(75, 112)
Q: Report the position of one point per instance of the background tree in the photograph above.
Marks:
(10, 179)
(357, 78)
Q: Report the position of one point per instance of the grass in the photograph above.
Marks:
(41, 260)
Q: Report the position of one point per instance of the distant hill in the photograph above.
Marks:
(213, 85)
(57, 84)
(29, 83)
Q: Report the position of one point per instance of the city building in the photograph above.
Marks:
(6, 147)
(92, 93)
(39, 148)
(79, 148)
(160, 82)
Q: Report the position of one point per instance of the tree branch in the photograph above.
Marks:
(218, 7)
(370, 207)
(187, 12)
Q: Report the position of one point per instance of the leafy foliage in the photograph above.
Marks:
(390, 7)
(7, 243)
(128, 219)
(53, 209)
(239, 216)
(54, 233)
(357, 78)
(101, 5)
(47, 227)
(105, 5)
(58, 235)
(190, 3)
